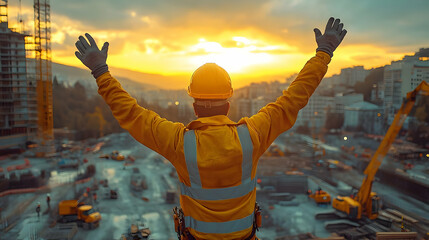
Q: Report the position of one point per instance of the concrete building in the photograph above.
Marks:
(350, 76)
(243, 108)
(248, 100)
(314, 113)
(271, 90)
(377, 92)
(401, 77)
(249, 107)
(342, 100)
(333, 80)
(363, 116)
(257, 104)
(18, 106)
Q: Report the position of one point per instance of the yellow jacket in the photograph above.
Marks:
(219, 151)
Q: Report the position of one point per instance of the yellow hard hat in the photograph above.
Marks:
(210, 82)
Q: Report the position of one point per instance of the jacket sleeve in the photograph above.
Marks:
(144, 125)
(279, 116)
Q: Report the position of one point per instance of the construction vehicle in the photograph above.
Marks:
(117, 156)
(135, 233)
(335, 164)
(74, 211)
(320, 196)
(366, 202)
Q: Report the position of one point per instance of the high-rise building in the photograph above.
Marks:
(18, 105)
(401, 77)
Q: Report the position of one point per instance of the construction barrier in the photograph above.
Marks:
(20, 166)
(43, 188)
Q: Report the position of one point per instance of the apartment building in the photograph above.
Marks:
(18, 104)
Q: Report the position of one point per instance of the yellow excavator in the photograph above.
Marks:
(366, 202)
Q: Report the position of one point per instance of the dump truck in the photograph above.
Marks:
(74, 211)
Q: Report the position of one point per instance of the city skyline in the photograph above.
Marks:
(252, 40)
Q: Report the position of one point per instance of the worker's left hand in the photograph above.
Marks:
(91, 56)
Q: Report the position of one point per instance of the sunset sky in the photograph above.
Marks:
(253, 40)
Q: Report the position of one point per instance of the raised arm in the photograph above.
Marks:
(144, 125)
(280, 115)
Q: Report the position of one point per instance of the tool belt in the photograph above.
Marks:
(184, 234)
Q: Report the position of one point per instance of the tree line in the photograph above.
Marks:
(90, 117)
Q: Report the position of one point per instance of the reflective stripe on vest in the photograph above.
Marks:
(196, 191)
(219, 227)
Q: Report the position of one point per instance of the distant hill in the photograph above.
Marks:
(70, 75)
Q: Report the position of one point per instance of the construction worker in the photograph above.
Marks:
(94, 197)
(38, 209)
(215, 158)
(48, 200)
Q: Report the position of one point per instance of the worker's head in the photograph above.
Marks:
(210, 87)
(134, 228)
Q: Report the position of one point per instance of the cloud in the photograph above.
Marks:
(393, 23)
(167, 33)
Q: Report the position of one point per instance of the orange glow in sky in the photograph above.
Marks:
(253, 42)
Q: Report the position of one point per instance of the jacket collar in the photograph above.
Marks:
(217, 120)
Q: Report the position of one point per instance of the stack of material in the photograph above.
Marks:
(396, 235)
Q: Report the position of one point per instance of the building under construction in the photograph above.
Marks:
(26, 81)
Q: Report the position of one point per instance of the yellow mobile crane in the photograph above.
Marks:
(366, 202)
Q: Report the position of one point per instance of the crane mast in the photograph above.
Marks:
(42, 43)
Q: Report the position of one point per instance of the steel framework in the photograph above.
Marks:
(42, 43)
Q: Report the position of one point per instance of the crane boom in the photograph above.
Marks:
(365, 190)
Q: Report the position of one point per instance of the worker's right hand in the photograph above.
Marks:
(334, 34)
(91, 56)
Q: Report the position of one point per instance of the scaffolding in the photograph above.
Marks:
(3, 11)
(26, 111)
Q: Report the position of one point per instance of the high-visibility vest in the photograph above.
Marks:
(197, 192)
